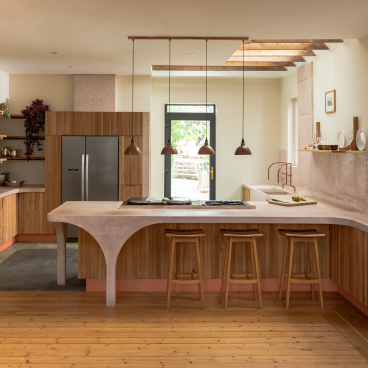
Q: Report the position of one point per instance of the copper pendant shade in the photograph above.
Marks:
(206, 149)
(243, 149)
(133, 149)
(169, 149)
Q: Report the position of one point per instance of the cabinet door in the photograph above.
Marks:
(32, 214)
(9, 218)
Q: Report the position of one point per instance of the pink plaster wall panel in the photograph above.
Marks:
(304, 169)
(94, 92)
(304, 72)
(305, 101)
(323, 171)
(305, 130)
(351, 178)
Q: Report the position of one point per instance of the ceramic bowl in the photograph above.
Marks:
(326, 147)
(334, 147)
(321, 147)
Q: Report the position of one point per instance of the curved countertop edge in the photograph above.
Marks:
(26, 188)
(107, 214)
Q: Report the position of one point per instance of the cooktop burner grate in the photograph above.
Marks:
(225, 203)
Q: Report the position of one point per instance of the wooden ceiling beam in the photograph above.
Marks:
(294, 59)
(246, 39)
(313, 40)
(218, 68)
(274, 53)
(284, 46)
(260, 63)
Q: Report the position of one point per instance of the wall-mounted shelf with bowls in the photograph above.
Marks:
(332, 151)
(17, 137)
(25, 158)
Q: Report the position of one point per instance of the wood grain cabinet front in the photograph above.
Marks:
(32, 214)
(9, 217)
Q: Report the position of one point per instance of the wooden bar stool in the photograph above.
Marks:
(300, 236)
(241, 236)
(184, 236)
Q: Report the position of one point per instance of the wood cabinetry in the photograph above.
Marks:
(9, 217)
(246, 194)
(32, 214)
(145, 254)
(132, 169)
(349, 261)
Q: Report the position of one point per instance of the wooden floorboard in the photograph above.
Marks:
(77, 330)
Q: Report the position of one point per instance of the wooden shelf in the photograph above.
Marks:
(2, 159)
(13, 116)
(17, 137)
(25, 158)
(331, 151)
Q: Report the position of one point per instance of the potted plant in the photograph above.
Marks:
(4, 109)
(34, 124)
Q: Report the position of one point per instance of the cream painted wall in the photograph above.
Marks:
(287, 91)
(4, 86)
(344, 69)
(262, 123)
(142, 93)
(55, 89)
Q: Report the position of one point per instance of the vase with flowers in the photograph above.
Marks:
(34, 124)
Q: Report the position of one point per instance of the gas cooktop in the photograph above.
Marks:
(185, 202)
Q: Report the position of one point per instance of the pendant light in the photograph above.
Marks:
(243, 149)
(169, 149)
(206, 149)
(132, 149)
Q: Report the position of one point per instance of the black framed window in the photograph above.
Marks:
(188, 174)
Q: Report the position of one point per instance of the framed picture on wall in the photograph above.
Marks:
(330, 101)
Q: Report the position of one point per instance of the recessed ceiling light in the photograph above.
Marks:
(70, 67)
(191, 54)
(53, 52)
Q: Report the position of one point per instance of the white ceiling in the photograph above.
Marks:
(91, 35)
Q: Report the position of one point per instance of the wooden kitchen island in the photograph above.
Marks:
(132, 238)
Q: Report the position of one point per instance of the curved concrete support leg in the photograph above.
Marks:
(111, 281)
(61, 229)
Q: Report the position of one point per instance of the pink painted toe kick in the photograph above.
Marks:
(36, 238)
(159, 285)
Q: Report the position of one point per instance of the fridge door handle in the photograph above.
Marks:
(83, 185)
(87, 161)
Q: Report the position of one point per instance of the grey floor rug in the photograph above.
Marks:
(35, 269)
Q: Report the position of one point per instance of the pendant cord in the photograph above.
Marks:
(243, 97)
(206, 96)
(133, 92)
(169, 89)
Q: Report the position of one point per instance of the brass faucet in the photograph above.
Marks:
(278, 173)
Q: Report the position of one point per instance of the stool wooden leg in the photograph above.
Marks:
(311, 267)
(169, 276)
(200, 285)
(228, 272)
(253, 270)
(257, 273)
(283, 267)
(289, 272)
(224, 270)
(318, 273)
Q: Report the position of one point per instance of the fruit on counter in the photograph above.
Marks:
(295, 197)
(303, 198)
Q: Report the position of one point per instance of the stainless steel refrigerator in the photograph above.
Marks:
(90, 171)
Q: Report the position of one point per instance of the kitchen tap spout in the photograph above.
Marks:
(278, 162)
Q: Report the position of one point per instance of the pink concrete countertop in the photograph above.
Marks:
(26, 188)
(324, 212)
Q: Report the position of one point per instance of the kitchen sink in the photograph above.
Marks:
(275, 192)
